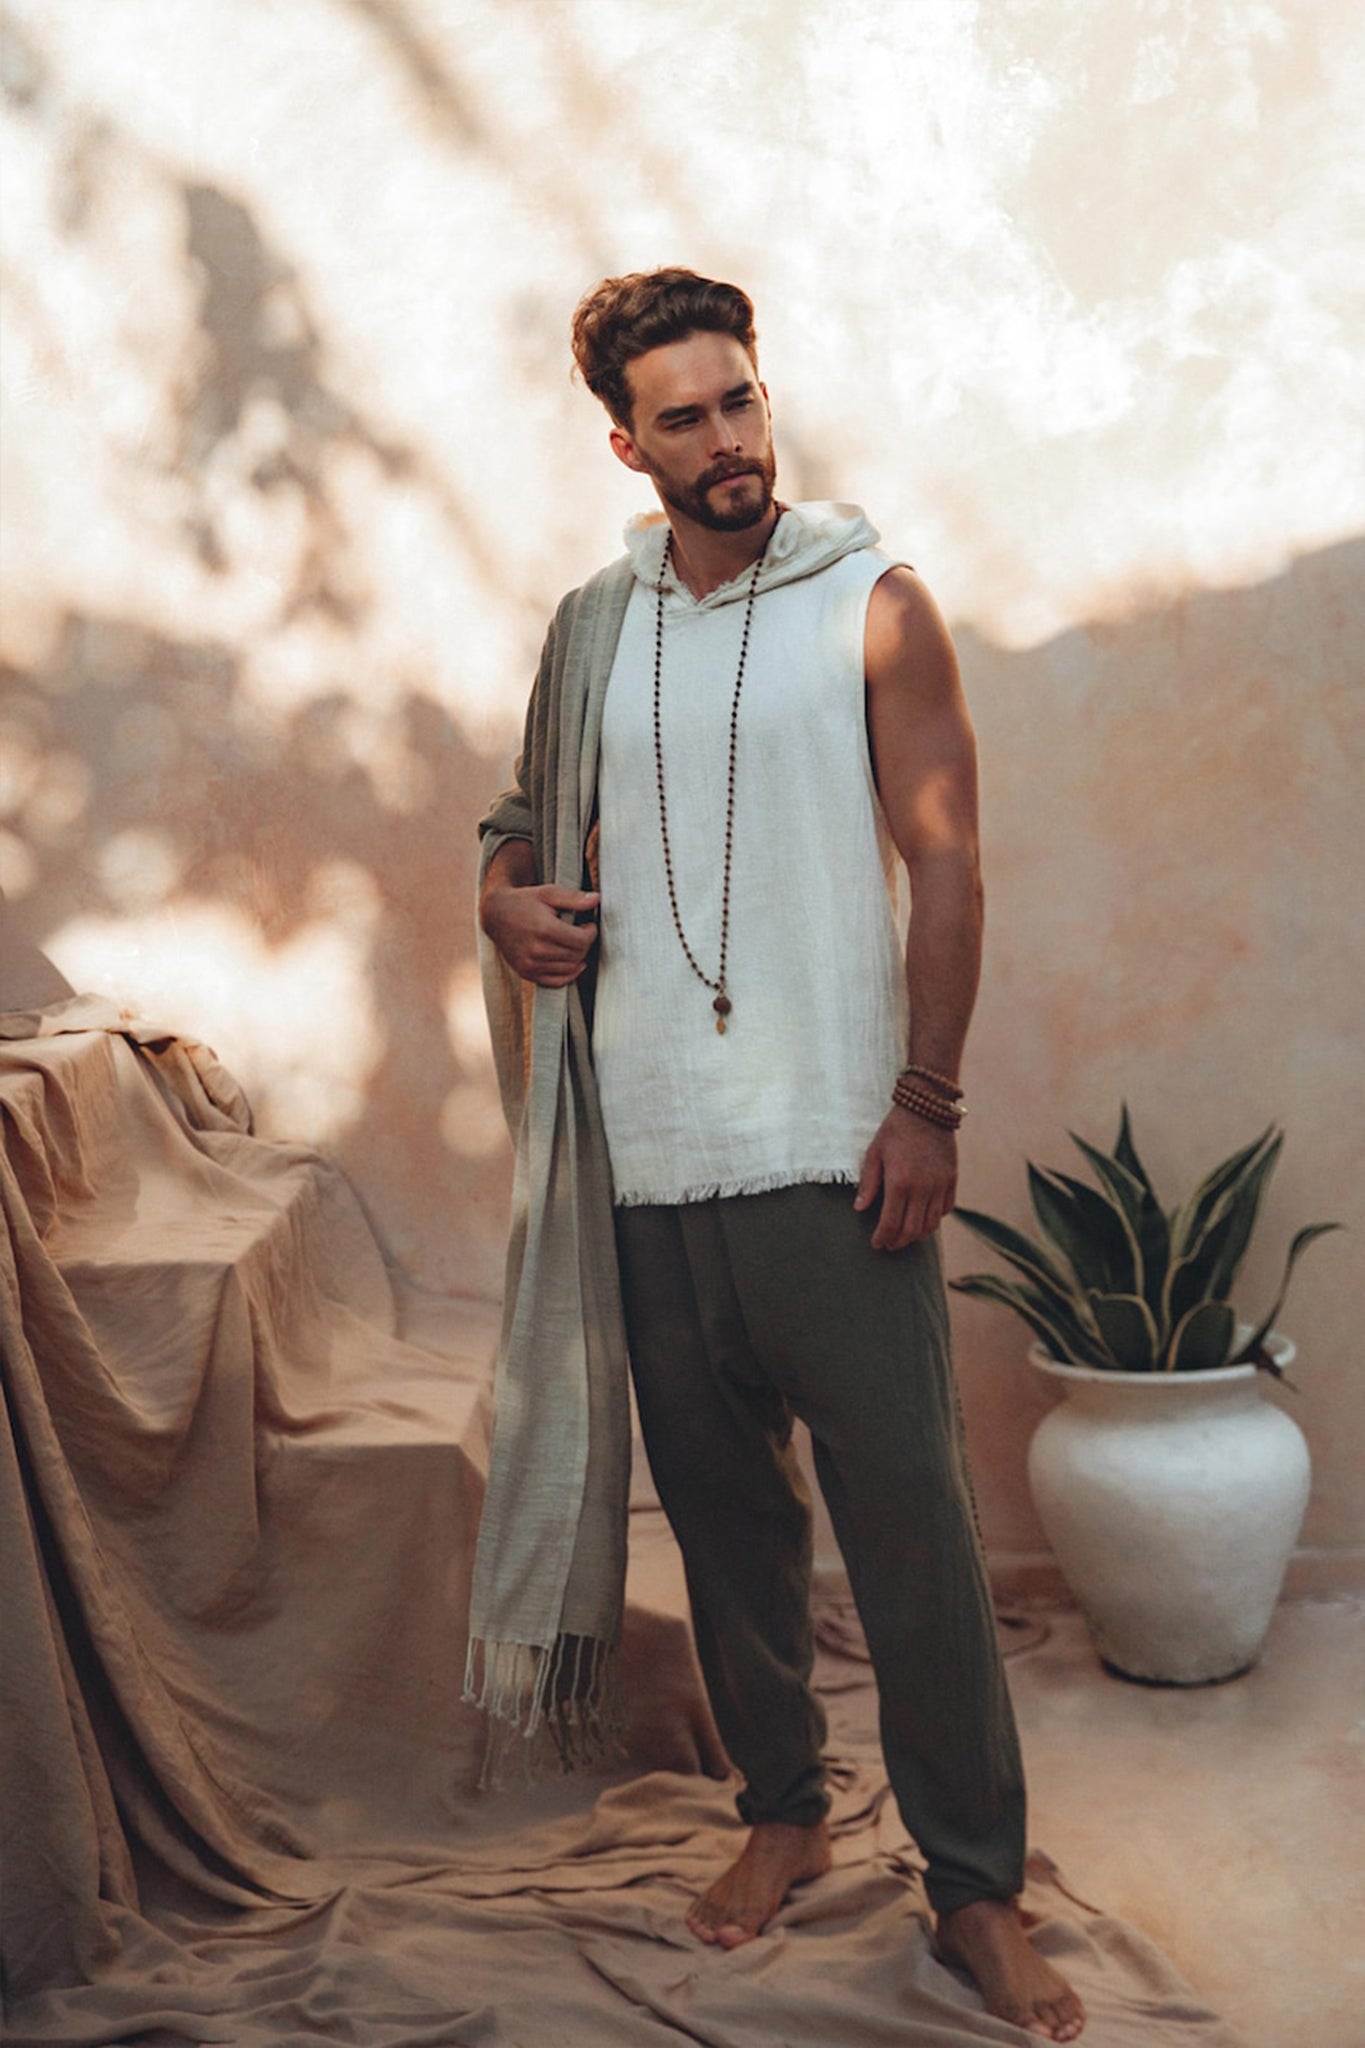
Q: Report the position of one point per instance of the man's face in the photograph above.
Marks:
(700, 431)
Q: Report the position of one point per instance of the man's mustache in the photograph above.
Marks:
(722, 474)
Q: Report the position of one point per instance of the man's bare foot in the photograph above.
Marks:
(987, 1940)
(740, 1904)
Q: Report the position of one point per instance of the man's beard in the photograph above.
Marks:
(694, 502)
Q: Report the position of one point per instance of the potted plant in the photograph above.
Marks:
(1171, 1492)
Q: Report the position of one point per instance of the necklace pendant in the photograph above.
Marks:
(720, 1026)
(722, 1007)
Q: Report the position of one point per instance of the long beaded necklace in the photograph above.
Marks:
(722, 1004)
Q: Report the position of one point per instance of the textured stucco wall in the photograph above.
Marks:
(293, 474)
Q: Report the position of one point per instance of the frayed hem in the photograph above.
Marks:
(748, 1184)
(551, 1707)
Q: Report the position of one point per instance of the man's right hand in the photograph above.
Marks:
(531, 928)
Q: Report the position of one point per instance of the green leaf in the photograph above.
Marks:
(1024, 1253)
(1192, 1219)
(1089, 1228)
(1062, 1333)
(1145, 1217)
(1241, 1203)
(1129, 1330)
(1125, 1151)
(1209, 1266)
(1203, 1338)
(1191, 1279)
(1302, 1240)
(1265, 1363)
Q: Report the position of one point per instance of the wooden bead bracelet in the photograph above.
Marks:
(940, 1083)
(935, 1109)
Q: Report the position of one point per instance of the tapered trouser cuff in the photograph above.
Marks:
(804, 1805)
(951, 1898)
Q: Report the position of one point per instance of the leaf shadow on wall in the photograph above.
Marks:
(162, 799)
(277, 837)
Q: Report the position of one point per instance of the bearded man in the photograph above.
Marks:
(736, 1104)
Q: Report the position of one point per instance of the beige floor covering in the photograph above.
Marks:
(237, 1508)
(1228, 1822)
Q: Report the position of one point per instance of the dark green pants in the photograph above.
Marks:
(742, 1313)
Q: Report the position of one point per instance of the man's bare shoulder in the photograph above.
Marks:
(907, 638)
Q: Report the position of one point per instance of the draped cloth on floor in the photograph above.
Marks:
(549, 1573)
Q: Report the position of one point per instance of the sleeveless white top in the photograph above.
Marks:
(797, 1086)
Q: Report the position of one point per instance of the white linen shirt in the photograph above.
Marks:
(800, 1081)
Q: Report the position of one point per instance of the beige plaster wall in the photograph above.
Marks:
(293, 473)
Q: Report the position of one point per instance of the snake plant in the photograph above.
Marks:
(1120, 1283)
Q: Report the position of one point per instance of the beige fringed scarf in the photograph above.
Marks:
(549, 1574)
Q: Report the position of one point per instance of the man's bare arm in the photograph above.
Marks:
(530, 922)
(924, 755)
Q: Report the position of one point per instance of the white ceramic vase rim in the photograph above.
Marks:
(1282, 1349)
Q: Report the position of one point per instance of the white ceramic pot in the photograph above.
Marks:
(1172, 1501)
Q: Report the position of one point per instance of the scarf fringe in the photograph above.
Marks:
(550, 1707)
(747, 1184)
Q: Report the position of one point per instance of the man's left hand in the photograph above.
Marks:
(914, 1165)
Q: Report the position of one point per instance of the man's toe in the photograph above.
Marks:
(1016, 2012)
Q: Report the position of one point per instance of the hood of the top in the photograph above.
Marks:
(806, 538)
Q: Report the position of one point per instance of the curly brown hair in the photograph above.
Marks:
(625, 317)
